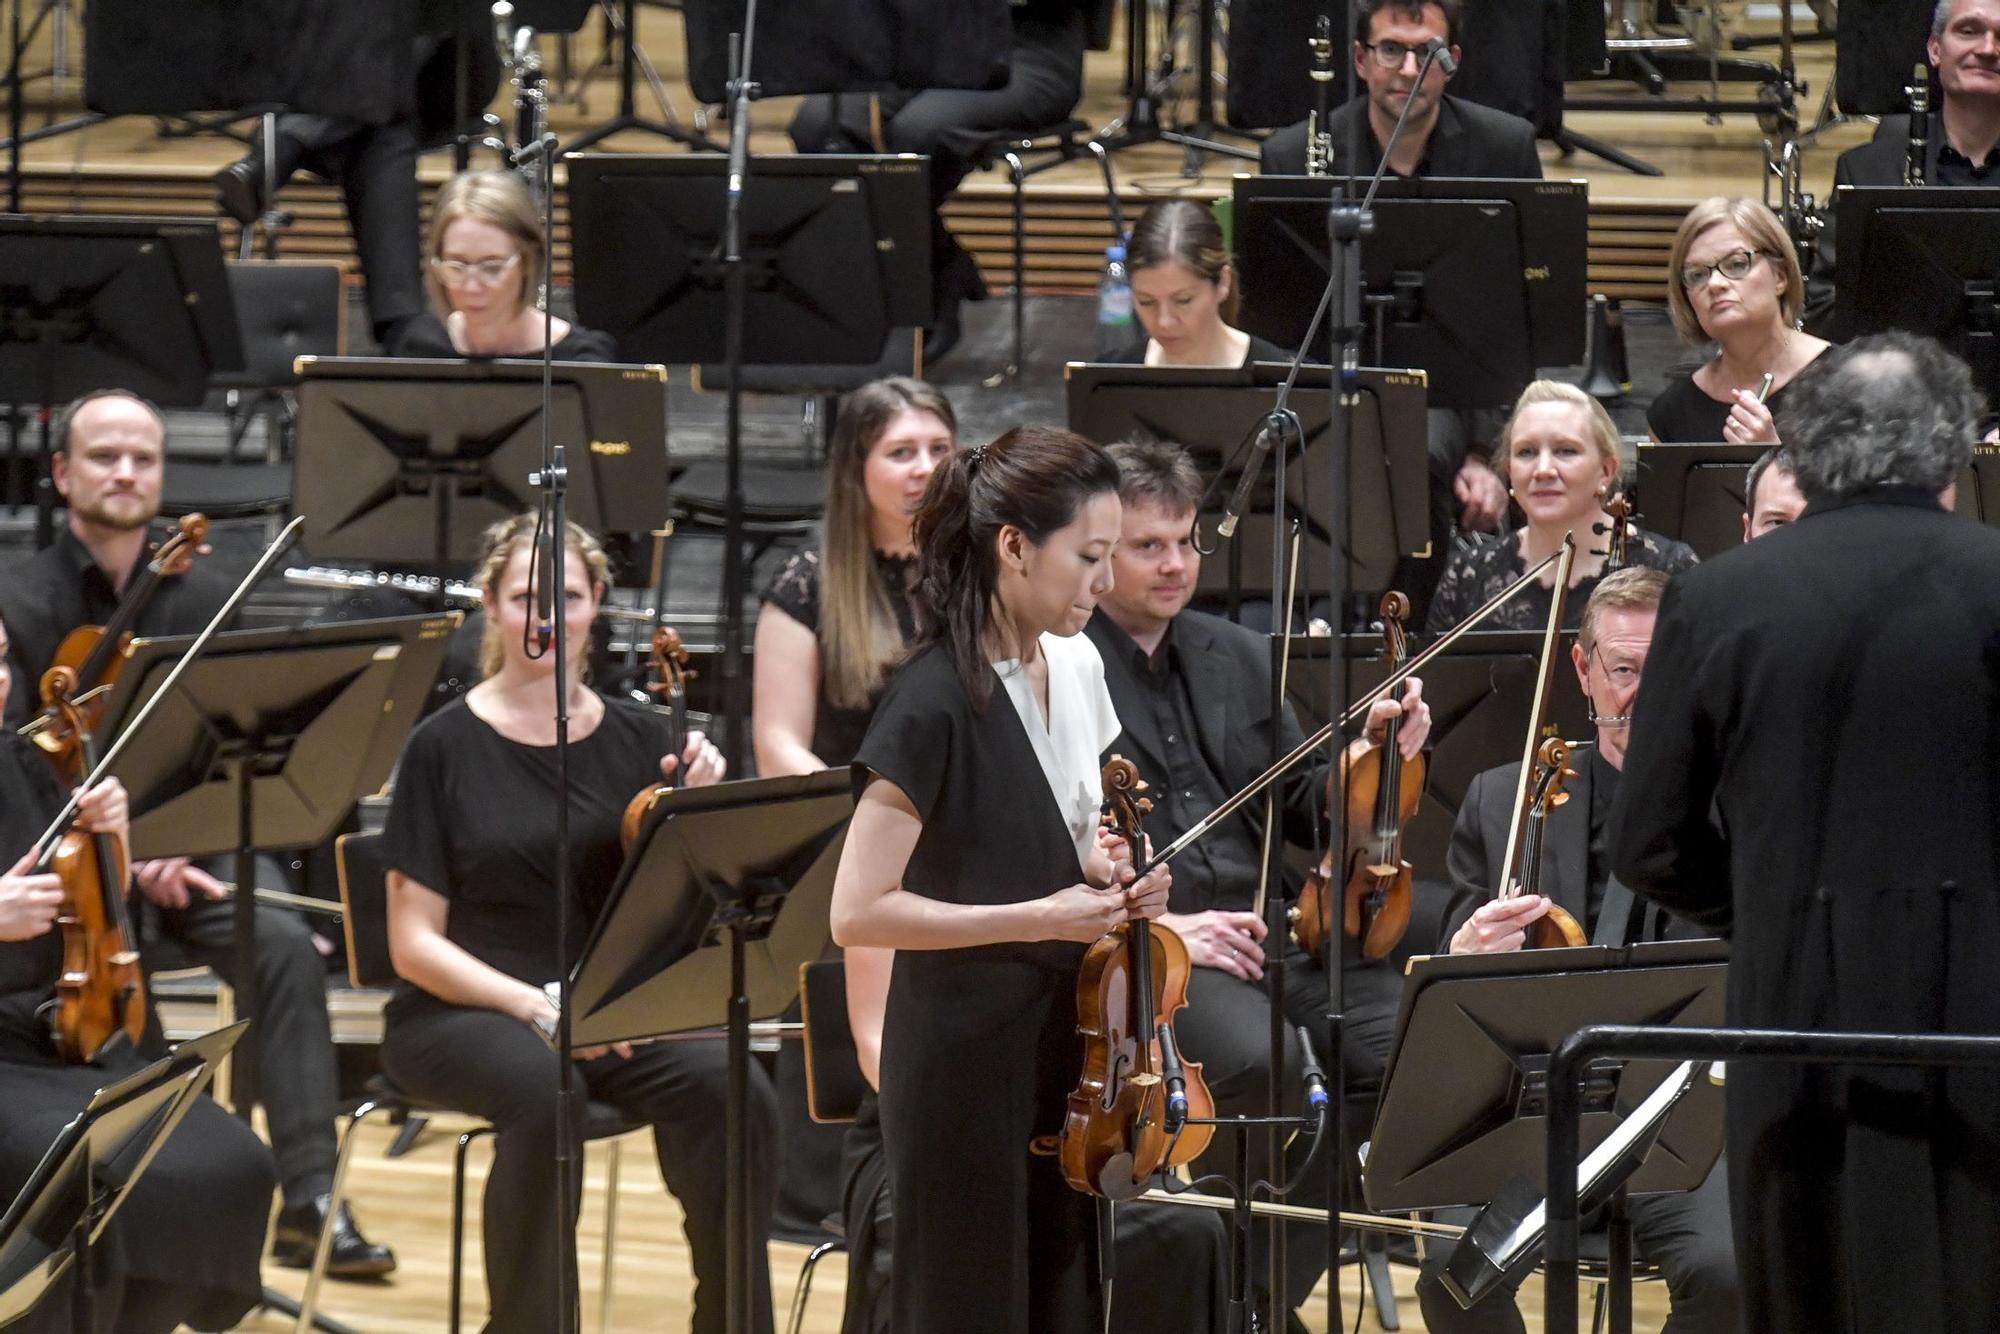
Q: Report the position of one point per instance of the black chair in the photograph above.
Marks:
(835, 1090)
(363, 877)
(821, 386)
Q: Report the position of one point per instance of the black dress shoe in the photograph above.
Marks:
(352, 1256)
(237, 189)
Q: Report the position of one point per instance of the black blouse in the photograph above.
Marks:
(426, 336)
(29, 798)
(1482, 564)
(1260, 349)
(472, 818)
(795, 590)
(1683, 412)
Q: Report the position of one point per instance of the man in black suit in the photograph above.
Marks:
(1444, 136)
(1193, 692)
(1687, 1236)
(1817, 763)
(1962, 146)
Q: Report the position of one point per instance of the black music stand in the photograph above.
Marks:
(268, 741)
(1287, 238)
(1210, 412)
(109, 303)
(49, 1230)
(1438, 287)
(725, 892)
(1479, 690)
(647, 233)
(1925, 260)
(1694, 493)
(409, 460)
(1465, 1094)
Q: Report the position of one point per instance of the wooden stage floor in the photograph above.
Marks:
(406, 1203)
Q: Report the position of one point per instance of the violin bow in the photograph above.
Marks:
(45, 845)
(1355, 710)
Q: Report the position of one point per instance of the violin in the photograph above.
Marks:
(95, 654)
(1552, 770)
(1382, 792)
(1619, 510)
(1115, 1135)
(669, 675)
(101, 993)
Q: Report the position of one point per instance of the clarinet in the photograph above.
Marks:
(1920, 125)
(1319, 140)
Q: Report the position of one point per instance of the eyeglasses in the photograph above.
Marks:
(456, 272)
(1734, 265)
(1623, 676)
(1391, 55)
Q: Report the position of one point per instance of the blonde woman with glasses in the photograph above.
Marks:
(1733, 281)
(484, 264)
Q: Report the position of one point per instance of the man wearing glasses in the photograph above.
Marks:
(1687, 1236)
(1444, 136)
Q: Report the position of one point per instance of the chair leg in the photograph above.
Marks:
(803, 1292)
(407, 1135)
(604, 1288)
(1375, 1269)
(309, 1302)
(1597, 1309)
(458, 1221)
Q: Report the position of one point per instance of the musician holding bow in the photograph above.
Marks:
(1193, 693)
(1686, 1235)
(109, 466)
(184, 1247)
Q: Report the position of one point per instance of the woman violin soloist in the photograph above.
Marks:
(184, 1249)
(472, 932)
(974, 853)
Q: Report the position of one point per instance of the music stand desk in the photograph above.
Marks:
(268, 741)
(60, 1213)
(1465, 1095)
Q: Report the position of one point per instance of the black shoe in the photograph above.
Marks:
(237, 189)
(352, 1256)
(943, 334)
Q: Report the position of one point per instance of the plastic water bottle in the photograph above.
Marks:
(1114, 302)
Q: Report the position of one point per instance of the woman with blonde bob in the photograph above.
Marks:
(484, 266)
(1733, 280)
(1561, 459)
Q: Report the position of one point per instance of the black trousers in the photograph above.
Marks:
(376, 169)
(1227, 1027)
(496, 1067)
(297, 1079)
(1688, 1236)
(951, 124)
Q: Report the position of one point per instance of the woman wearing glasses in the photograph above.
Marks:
(484, 259)
(1733, 280)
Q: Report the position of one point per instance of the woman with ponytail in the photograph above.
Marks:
(974, 854)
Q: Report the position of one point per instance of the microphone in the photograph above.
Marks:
(1316, 1096)
(1176, 1082)
(545, 592)
(1435, 48)
(1253, 468)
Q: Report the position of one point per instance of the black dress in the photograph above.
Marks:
(473, 819)
(187, 1243)
(837, 730)
(1260, 349)
(1683, 412)
(979, 1045)
(1482, 564)
(426, 336)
